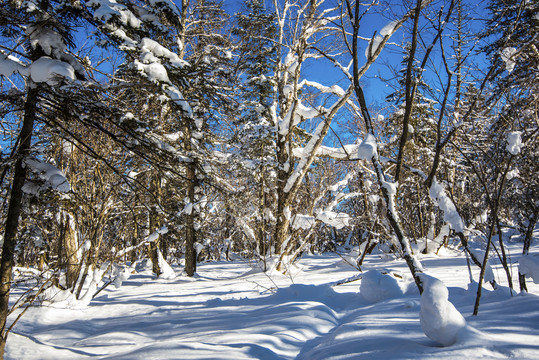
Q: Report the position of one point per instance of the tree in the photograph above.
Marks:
(289, 110)
(257, 57)
(48, 66)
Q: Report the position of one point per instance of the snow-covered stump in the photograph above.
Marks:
(439, 318)
(528, 265)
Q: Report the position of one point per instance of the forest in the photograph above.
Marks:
(172, 136)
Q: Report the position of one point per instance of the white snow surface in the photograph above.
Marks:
(301, 221)
(43, 70)
(231, 310)
(377, 286)
(336, 219)
(439, 318)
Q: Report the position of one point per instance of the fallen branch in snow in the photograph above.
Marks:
(348, 280)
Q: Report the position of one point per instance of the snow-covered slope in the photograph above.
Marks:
(230, 311)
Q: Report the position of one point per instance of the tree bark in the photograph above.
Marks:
(14, 211)
(70, 247)
(153, 246)
(413, 264)
(526, 248)
(190, 232)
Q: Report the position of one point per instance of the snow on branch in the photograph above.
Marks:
(152, 51)
(375, 42)
(328, 215)
(108, 10)
(10, 65)
(50, 175)
(334, 89)
(308, 155)
(150, 238)
(514, 142)
(438, 195)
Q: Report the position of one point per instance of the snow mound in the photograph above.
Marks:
(144, 266)
(167, 271)
(377, 286)
(58, 298)
(529, 265)
(439, 318)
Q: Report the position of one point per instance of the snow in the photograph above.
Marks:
(372, 46)
(489, 273)
(152, 50)
(529, 265)
(154, 71)
(306, 158)
(378, 286)
(512, 174)
(291, 62)
(10, 65)
(365, 150)
(51, 71)
(287, 213)
(51, 177)
(188, 209)
(343, 152)
(440, 320)
(368, 148)
(48, 40)
(387, 30)
(335, 219)
(177, 97)
(343, 183)
(301, 221)
(507, 57)
(166, 271)
(107, 10)
(451, 215)
(230, 311)
(514, 142)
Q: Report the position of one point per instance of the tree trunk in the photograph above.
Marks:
(281, 227)
(262, 226)
(14, 211)
(190, 232)
(526, 248)
(70, 246)
(153, 246)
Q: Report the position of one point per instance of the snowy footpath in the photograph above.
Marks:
(232, 311)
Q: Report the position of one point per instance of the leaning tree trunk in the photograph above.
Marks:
(14, 210)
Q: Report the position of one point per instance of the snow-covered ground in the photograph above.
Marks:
(230, 311)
